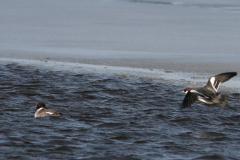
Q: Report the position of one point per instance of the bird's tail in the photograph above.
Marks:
(221, 99)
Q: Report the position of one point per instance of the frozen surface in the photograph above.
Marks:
(174, 27)
(179, 79)
(184, 36)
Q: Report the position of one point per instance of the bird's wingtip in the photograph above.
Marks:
(182, 106)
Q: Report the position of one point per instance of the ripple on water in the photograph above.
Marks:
(109, 117)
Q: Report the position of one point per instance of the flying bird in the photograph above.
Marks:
(208, 94)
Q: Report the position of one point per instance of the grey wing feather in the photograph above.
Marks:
(220, 78)
(189, 99)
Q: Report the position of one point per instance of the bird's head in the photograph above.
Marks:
(186, 90)
(40, 105)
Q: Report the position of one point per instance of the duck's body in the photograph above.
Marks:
(43, 112)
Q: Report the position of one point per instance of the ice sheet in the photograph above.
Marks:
(194, 27)
(200, 37)
(179, 79)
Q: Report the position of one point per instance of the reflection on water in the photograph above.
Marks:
(109, 117)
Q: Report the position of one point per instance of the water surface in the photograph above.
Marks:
(109, 117)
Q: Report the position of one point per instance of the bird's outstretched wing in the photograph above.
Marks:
(215, 81)
(189, 99)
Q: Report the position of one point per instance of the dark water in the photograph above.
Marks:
(109, 117)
